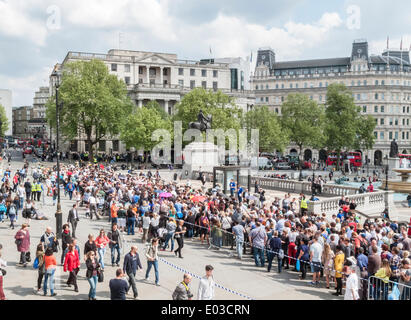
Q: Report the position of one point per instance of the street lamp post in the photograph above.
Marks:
(59, 214)
(312, 186)
(386, 174)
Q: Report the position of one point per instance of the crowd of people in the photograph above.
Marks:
(333, 249)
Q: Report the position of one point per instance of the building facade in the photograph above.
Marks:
(38, 123)
(380, 84)
(21, 117)
(164, 78)
(6, 100)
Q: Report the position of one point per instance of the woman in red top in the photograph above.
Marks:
(72, 264)
(101, 242)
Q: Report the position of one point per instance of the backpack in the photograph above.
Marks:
(12, 210)
(3, 208)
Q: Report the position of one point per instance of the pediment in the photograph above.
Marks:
(155, 58)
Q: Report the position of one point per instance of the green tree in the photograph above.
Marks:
(226, 115)
(345, 127)
(303, 121)
(95, 103)
(4, 121)
(271, 135)
(138, 128)
(156, 106)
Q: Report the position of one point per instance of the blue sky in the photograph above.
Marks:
(36, 34)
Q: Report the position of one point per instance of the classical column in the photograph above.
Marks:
(166, 106)
(148, 74)
(161, 76)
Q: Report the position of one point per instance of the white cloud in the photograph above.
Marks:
(15, 22)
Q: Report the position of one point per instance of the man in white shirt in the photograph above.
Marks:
(207, 284)
(93, 206)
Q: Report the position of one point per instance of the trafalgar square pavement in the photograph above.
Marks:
(241, 279)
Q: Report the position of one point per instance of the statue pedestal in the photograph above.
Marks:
(393, 164)
(199, 156)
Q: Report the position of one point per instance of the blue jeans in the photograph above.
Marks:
(113, 253)
(114, 220)
(1, 216)
(270, 257)
(239, 247)
(21, 203)
(258, 257)
(409, 203)
(49, 275)
(190, 233)
(130, 226)
(101, 253)
(168, 237)
(93, 286)
(70, 194)
(151, 264)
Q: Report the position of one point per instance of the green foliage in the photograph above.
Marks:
(226, 115)
(138, 128)
(156, 106)
(271, 136)
(303, 121)
(346, 128)
(95, 103)
(4, 121)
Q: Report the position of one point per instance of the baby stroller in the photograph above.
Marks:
(162, 232)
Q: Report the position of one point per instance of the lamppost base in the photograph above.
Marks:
(59, 221)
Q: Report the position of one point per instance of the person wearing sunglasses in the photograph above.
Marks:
(93, 268)
(102, 241)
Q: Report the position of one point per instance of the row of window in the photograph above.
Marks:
(153, 71)
(392, 109)
(203, 84)
(325, 84)
(391, 135)
(392, 121)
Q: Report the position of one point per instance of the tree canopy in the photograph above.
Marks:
(4, 121)
(271, 135)
(95, 103)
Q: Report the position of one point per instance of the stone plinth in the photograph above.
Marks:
(199, 156)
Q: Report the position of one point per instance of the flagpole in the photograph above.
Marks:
(388, 52)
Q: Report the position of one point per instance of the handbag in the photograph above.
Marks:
(3, 271)
(101, 276)
(36, 263)
(395, 294)
(297, 265)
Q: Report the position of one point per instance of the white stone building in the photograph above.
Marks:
(381, 85)
(166, 79)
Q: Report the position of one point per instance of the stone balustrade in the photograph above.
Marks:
(293, 186)
(371, 204)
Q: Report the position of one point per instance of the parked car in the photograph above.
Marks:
(282, 166)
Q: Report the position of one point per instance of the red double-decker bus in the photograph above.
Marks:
(354, 157)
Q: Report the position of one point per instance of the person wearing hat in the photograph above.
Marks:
(207, 284)
(351, 286)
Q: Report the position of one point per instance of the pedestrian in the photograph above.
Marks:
(49, 239)
(28, 211)
(118, 286)
(239, 231)
(102, 241)
(258, 240)
(73, 219)
(65, 241)
(131, 221)
(152, 260)
(115, 244)
(179, 236)
(3, 263)
(274, 250)
(338, 267)
(351, 285)
(92, 273)
(207, 284)
(23, 244)
(12, 213)
(315, 259)
(146, 226)
(27, 188)
(131, 264)
(304, 257)
(50, 264)
(327, 260)
(40, 265)
(171, 228)
(182, 291)
(383, 275)
(90, 245)
(72, 265)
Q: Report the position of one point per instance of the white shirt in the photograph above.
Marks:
(92, 200)
(206, 289)
(351, 285)
(21, 192)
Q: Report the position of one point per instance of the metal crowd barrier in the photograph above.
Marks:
(389, 290)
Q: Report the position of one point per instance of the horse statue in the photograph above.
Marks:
(203, 124)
